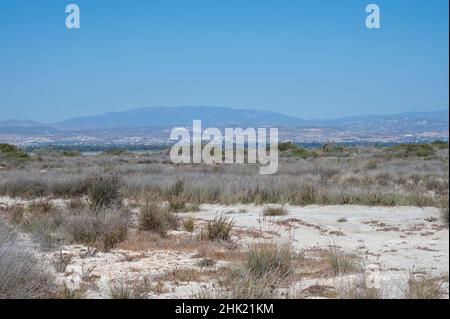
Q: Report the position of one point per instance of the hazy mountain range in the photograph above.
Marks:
(168, 117)
(151, 127)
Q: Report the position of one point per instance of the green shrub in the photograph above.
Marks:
(12, 153)
(442, 145)
(115, 151)
(291, 149)
(285, 146)
(410, 150)
(333, 148)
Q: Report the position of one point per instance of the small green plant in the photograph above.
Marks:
(274, 211)
(217, 229)
(342, 220)
(189, 224)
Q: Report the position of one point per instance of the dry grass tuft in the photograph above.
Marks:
(343, 263)
(217, 229)
(41, 206)
(275, 211)
(425, 286)
(21, 275)
(157, 219)
(264, 258)
(189, 224)
(104, 188)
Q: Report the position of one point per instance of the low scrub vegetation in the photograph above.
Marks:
(410, 150)
(264, 258)
(360, 176)
(217, 229)
(265, 268)
(157, 219)
(41, 206)
(274, 211)
(104, 188)
(357, 289)
(21, 275)
(343, 263)
(424, 286)
(10, 152)
(105, 228)
(189, 224)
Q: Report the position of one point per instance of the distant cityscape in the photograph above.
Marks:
(149, 128)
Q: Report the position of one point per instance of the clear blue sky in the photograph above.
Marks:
(310, 58)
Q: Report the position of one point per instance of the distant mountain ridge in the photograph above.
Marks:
(180, 116)
(167, 117)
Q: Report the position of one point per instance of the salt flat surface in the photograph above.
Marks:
(395, 238)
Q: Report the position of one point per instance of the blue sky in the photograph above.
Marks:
(310, 58)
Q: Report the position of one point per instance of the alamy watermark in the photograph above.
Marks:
(373, 20)
(73, 19)
(236, 145)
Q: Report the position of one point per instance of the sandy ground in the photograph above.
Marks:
(396, 238)
(392, 241)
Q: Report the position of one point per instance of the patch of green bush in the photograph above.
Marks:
(12, 153)
(410, 150)
(442, 145)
